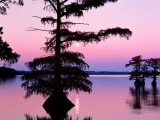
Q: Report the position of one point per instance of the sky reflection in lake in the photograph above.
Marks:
(108, 101)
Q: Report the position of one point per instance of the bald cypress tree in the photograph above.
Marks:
(136, 62)
(154, 65)
(64, 70)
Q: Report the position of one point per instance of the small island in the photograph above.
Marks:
(7, 72)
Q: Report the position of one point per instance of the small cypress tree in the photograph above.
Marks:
(136, 62)
(154, 64)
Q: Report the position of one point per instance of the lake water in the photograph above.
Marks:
(113, 98)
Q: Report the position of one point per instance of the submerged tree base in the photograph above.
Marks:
(57, 105)
(139, 83)
(154, 83)
(137, 106)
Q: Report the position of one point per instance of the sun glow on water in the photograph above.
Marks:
(77, 104)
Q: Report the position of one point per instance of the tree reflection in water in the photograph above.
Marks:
(139, 94)
(4, 80)
(67, 117)
(154, 97)
(58, 110)
(144, 97)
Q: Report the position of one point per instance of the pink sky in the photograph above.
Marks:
(141, 17)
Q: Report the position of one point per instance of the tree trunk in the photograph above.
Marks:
(57, 50)
(57, 105)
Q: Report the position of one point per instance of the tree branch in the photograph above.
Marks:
(63, 2)
(5, 4)
(37, 16)
(87, 37)
(52, 5)
(74, 23)
(34, 29)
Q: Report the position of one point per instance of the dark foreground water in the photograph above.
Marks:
(114, 97)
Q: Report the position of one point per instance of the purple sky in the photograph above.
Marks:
(140, 16)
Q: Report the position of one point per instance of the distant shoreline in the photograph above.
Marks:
(89, 72)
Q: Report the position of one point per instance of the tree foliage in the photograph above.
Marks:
(63, 68)
(5, 4)
(6, 53)
(154, 65)
(42, 78)
(136, 62)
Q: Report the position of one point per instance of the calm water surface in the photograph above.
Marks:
(113, 98)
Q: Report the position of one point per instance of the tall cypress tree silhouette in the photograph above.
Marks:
(63, 71)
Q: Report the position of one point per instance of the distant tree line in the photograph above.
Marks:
(107, 72)
(23, 72)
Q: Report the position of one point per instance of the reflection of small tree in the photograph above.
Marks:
(144, 93)
(136, 94)
(140, 96)
(154, 64)
(155, 95)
